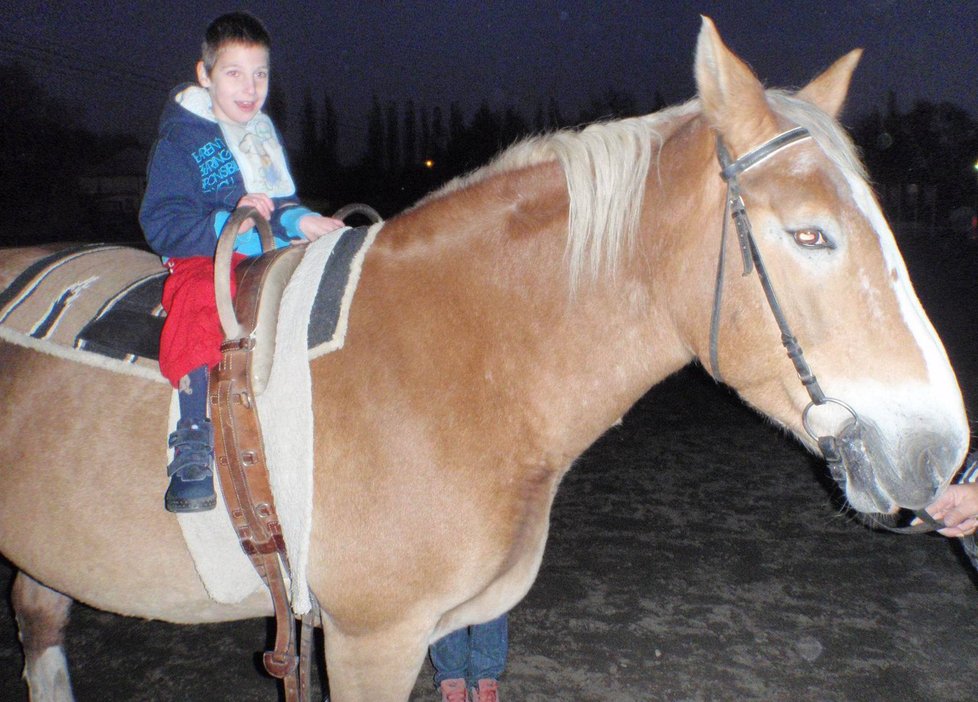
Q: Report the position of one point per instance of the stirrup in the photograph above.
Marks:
(191, 476)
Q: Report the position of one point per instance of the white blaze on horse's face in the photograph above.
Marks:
(922, 420)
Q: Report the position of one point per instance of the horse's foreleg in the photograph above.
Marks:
(42, 615)
(378, 667)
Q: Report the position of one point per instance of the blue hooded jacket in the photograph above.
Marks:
(194, 183)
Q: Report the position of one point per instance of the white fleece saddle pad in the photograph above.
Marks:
(312, 321)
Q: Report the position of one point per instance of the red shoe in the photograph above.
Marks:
(454, 690)
(488, 691)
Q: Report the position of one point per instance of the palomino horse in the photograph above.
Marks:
(500, 327)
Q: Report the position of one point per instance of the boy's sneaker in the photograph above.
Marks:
(191, 477)
(488, 691)
(454, 690)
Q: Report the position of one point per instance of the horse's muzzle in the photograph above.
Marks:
(876, 482)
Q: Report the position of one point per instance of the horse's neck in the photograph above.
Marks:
(493, 257)
(680, 239)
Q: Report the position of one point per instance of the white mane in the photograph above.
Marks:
(606, 165)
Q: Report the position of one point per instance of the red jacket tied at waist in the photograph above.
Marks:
(192, 333)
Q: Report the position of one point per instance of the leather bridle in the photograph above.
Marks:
(734, 208)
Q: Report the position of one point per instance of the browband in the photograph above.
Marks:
(731, 169)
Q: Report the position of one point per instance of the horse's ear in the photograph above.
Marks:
(828, 91)
(731, 95)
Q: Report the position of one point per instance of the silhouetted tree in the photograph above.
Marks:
(410, 136)
(374, 157)
(439, 140)
(424, 146)
(457, 160)
(330, 134)
(485, 132)
(309, 172)
(611, 105)
(540, 125)
(514, 127)
(392, 140)
(932, 148)
(658, 102)
(43, 152)
(944, 143)
(555, 120)
(36, 138)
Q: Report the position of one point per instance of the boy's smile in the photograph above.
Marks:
(238, 82)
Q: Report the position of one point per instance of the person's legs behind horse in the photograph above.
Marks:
(489, 645)
(450, 658)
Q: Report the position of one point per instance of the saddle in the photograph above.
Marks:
(261, 281)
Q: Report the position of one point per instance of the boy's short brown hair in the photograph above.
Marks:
(232, 28)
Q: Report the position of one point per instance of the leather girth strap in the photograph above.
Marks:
(240, 458)
(244, 482)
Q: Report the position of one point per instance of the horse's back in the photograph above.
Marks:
(84, 438)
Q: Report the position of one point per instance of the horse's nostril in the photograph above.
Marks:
(932, 461)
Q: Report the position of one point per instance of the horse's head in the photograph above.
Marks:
(896, 420)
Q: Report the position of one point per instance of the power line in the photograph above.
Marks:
(64, 64)
(67, 62)
(85, 57)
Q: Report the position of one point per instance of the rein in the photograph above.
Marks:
(734, 208)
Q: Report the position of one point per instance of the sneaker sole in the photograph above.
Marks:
(180, 506)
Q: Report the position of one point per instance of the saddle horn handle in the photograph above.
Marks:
(222, 265)
(358, 208)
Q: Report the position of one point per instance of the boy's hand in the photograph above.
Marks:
(313, 226)
(958, 507)
(261, 202)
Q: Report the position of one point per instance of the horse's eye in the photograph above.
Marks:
(812, 238)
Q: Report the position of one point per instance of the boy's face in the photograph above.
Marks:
(238, 82)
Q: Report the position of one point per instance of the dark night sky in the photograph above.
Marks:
(114, 63)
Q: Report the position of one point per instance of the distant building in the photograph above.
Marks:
(114, 189)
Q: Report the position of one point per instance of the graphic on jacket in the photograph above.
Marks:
(217, 166)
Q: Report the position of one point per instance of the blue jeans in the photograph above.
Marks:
(473, 653)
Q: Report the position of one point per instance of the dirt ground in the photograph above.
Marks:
(696, 554)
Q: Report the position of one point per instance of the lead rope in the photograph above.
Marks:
(734, 208)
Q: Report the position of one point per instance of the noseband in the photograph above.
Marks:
(734, 208)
